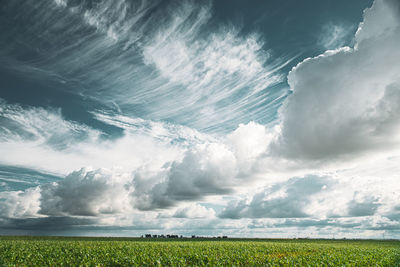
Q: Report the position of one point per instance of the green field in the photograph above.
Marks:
(46, 251)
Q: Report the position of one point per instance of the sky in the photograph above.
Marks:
(216, 117)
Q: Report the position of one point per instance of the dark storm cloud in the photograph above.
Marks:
(45, 224)
(67, 225)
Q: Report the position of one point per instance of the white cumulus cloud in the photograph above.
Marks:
(345, 101)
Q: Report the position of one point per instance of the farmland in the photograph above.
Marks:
(45, 251)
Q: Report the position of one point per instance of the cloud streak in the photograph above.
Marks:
(154, 60)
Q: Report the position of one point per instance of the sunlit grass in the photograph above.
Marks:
(42, 251)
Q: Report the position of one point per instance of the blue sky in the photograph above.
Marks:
(269, 119)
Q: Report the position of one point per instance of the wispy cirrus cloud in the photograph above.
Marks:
(334, 36)
(155, 63)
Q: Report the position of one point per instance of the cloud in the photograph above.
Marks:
(207, 169)
(334, 36)
(156, 60)
(42, 126)
(153, 165)
(44, 225)
(222, 64)
(394, 213)
(162, 131)
(345, 101)
(306, 223)
(195, 166)
(369, 189)
(194, 212)
(283, 200)
(87, 193)
(365, 207)
(344, 104)
(43, 140)
(18, 178)
(20, 204)
(214, 167)
(249, 143)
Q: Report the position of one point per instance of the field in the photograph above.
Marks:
(45, 251)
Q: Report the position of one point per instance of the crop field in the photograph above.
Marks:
(46, 251)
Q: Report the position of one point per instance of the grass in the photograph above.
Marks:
(51, 251)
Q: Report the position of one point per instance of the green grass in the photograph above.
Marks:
(46, 251)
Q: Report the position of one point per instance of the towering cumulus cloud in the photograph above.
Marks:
(346, 101)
